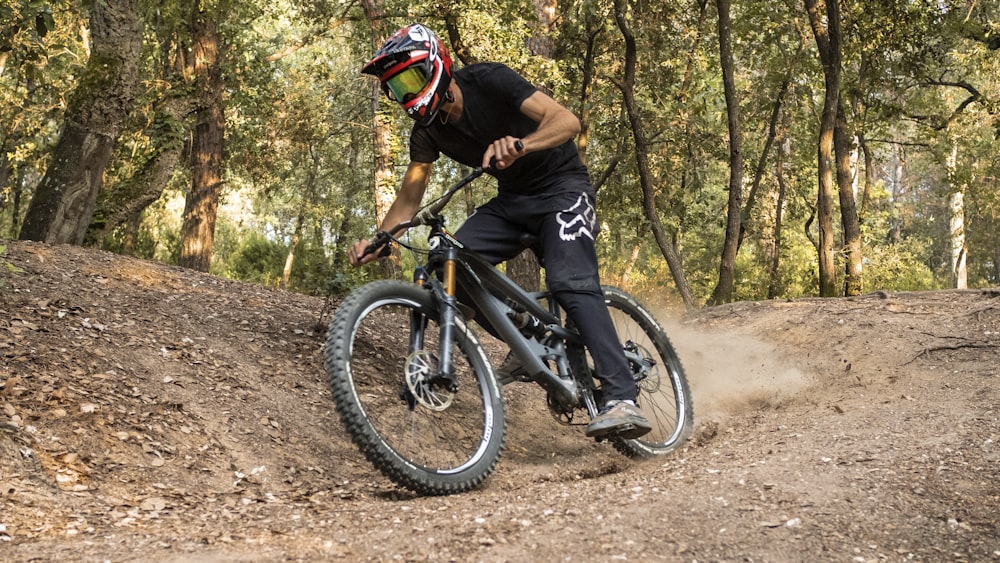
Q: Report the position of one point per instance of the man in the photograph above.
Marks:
(486, 111)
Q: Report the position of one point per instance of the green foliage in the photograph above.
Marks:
(798, 275)
(299, 148)
(899, 267)
(41, 55)
(141, 244)
(253, 258)
(25, 27)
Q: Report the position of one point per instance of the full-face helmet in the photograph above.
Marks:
(415, 70)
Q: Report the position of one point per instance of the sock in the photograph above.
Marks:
(614, 402)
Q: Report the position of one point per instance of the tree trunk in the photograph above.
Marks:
(996, 262)
(64, 201)
(775, 262)
(202, 203)
(642, 160)
(124, 202)
(828, 42)
(14, 197)
(956, 223)
(630, 265)
(305, 204)
(758, 177)
(723, 292)
(853, 279)
(898, 188)
(620, 148)
(869, 181)
(131, 232)
(351, 190)
(6, 198)
(121, 205)
(5, 169)
(542, 44)
(586, 89)
(286, 272)
(384, 176)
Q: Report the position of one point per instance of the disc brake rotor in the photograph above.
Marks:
(419, 367)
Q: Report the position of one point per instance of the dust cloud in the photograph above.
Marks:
(730, 373)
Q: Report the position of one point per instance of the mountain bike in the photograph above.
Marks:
(418, 394)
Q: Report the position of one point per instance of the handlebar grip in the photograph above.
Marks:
(382, 241)
(368, 250)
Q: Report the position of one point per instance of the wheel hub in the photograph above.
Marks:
(641, 362)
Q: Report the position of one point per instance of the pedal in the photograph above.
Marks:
(623, 429)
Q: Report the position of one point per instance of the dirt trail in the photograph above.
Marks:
(152, 413)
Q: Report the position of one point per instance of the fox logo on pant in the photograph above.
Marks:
(578, 221)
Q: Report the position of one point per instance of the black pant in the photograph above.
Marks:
(565, 225)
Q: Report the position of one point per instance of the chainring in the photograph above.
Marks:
(557, 412)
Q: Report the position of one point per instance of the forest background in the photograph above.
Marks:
(742, 151)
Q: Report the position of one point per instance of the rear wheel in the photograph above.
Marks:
(663, 392)
(381, 358)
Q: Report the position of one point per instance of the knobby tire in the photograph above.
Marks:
(421, 436)
(663, 395)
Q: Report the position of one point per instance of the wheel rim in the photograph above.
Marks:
(660, 402)
(416, 421)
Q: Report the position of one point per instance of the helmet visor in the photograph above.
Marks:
(402, 87)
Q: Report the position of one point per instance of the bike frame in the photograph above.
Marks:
(488, 289)
(403, 407)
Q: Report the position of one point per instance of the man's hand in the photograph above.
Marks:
(506, 150)
(357, 249)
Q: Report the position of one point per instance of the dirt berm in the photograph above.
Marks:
(151, 413)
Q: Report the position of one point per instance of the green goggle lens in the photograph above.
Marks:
(406, 84)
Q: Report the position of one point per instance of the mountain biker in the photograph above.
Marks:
(485, 111)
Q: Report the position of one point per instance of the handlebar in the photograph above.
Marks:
(425, 215)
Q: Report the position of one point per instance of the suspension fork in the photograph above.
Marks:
(418, 320)
(446, 369)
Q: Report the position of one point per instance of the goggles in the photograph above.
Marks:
(404, 86)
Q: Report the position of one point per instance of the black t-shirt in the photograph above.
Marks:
(492, 95)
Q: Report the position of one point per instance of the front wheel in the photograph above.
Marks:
(416, 427)
(663, 392)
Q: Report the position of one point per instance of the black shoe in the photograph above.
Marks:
(619, 418)
(511, 370)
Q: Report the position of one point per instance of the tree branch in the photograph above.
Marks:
(311, 38)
